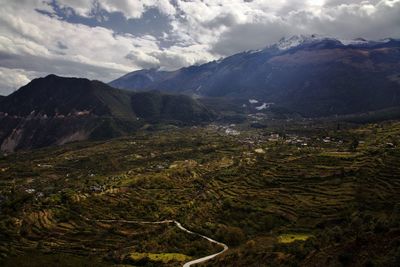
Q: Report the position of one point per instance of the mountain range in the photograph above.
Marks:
(312, 75)
(56, 110)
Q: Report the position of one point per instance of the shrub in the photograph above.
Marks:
(233, 236)
(345, 258)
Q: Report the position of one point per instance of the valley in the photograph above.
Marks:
(199, 133)
(304, 193)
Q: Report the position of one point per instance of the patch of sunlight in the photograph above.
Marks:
(160, 257)
(289, 238)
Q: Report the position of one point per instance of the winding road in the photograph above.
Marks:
(179, 225)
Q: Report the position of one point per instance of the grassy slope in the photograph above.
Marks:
(154, 106)
(117, 101)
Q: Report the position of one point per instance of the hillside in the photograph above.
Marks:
(55, 95)
(311, 75)
(155, 106)
(272, 199)
(57, 110)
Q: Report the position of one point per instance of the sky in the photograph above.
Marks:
(105, 39)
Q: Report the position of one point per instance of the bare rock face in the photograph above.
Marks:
(12, 141)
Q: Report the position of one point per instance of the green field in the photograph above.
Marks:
(316, 195)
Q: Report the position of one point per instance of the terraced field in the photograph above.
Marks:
(339, 188)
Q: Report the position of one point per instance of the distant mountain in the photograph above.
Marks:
(312, 75)
(56, 110)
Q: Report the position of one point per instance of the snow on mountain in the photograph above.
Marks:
(361, 41)
(358, 41)
(263, 106)
(310, 77)
(296, 40)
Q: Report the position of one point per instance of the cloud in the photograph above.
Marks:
(130, 8)
(250, 36)
(42, 44)
(102, 39)
(336, 18)
(10, 79)
(59, 65)
(143, 59)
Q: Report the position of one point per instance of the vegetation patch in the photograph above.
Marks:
(159, 257)
(290, 238)
(330, 196)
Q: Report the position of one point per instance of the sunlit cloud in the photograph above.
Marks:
(103, 39)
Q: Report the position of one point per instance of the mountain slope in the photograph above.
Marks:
(312, 75)
(57, 110)
(55, 95)
(155, 106)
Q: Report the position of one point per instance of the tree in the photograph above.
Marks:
(354, 144)
(231, 235)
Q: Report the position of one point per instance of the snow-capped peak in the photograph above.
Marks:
(361, 41)
(357, 41)
(296, 40)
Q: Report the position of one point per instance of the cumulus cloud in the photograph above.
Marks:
(39, 44)
(37, 39)
(341, 19)
(131, 9)
(10, 79)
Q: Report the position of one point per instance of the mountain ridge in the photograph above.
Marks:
(56, 110)
(315, 77)
(60, 96)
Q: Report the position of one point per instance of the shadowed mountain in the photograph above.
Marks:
(57, 110)
(53, 96)
(155, 106)
(312, 75)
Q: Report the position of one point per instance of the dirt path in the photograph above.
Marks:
(179, 225)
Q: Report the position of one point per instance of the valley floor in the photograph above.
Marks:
(308, 194)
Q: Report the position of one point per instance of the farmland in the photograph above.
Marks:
(298, 194)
